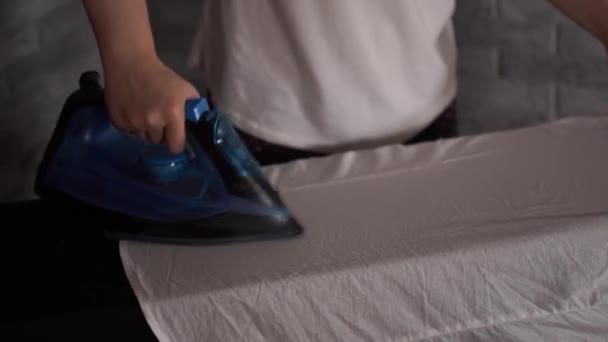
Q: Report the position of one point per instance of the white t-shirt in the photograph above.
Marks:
(328, 75)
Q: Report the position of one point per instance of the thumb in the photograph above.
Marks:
(193, 93)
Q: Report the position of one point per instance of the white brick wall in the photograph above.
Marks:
(524, 62)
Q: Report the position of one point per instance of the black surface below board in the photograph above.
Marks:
(62, 280)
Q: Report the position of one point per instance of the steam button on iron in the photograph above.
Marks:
(164, 166)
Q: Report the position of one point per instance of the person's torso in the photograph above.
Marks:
(328, 74)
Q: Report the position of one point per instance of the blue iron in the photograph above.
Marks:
(214, 192)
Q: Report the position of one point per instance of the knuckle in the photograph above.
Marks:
(173, 107)
(174, 113)
(154, 120)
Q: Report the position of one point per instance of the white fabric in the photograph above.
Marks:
(328, 75)
(496, 237)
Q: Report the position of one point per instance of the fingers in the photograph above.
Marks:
(175, 134)
(157, 127)
(148, 127)
(193, 93)
(154, 125)
(155, 136)
(120, 121)
(158, 121)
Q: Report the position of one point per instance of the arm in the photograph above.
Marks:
(122, 29)
(592, 15)
(143, 95)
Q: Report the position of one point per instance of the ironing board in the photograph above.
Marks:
(497, 237)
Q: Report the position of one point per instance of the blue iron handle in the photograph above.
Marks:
(195, 108)
(164, 164)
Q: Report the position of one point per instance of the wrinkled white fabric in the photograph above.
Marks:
(502, 236)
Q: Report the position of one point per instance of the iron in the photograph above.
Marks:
(213, 193)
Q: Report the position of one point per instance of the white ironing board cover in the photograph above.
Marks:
(496, 237)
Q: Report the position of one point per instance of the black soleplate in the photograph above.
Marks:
(71, 218)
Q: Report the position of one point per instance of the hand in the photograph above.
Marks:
(147, 98)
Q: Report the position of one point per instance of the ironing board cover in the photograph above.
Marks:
(498, 237)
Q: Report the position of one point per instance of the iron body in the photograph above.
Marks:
(212, 193)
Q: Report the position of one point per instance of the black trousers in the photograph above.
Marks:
(63, 282)
(445, 126)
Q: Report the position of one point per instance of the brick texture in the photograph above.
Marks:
(4, 93)
(522, 50)
(521, 62)
(574, 42)
(491, 104)
(487, 32)
(576, 100)
(525, 67)
(526, 13)
(17, 42)
(60, 22)
(28, 12)
(478, 61)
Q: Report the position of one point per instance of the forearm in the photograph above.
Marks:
(121, 28)
(592, 15)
